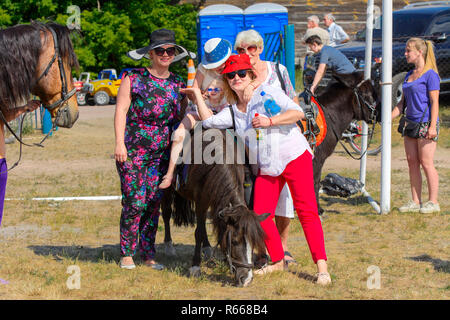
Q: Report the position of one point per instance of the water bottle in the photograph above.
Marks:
(272, 108)
(259, 133)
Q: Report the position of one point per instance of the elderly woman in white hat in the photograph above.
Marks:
(217, 51)
(149, 103)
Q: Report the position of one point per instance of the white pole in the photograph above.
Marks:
(367, 71)
(386, 102)
(365, 127)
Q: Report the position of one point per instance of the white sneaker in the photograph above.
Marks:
(411, 206)
(323, 278)
(430, 207)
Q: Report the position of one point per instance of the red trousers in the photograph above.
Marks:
(298, 174)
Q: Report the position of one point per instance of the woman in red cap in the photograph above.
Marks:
(283, 156)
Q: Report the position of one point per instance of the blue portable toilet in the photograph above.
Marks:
(218, 21)
(269, 19)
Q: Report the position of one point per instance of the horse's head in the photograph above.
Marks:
(54, 82)
(240, 235)
(367, 105)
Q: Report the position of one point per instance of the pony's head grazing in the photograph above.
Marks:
(240, 234)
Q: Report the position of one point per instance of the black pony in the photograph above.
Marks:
(347, 98)
(37, 59)
(218, 189)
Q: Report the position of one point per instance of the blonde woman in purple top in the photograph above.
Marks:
(421, 99)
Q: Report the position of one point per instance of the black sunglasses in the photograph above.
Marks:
(160, 51)
(240, 73)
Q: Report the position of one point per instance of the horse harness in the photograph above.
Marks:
(372, 119)
(232, 262)
(65, 96)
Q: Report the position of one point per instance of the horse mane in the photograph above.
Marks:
(220, 187)
(20, 48)
(248, 222)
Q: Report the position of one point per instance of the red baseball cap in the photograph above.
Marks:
(237, 62)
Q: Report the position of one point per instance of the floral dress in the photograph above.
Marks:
(155, 108)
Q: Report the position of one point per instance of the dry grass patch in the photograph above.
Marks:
(40, 240)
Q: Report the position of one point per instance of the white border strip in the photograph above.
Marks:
(93, 198)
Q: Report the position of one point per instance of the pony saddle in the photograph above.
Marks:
(314, 127)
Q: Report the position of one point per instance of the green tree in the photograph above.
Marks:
(108, 30)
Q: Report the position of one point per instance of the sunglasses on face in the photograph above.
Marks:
(160, 51)
(214, 89)
(240, 73)
(249, 49)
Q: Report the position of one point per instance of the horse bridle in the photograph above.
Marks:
(372, 119)
(232, 262)
(65, 96)
(371, 107)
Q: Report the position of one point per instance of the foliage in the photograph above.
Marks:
(108, 28)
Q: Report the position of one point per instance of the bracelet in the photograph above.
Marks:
(271, 124)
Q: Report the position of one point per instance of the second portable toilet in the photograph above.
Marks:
(268, 19)
(218, 21)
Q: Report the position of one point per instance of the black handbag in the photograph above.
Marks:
(411, 129)
(401, 124)
(407, 127)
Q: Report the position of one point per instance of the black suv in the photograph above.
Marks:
(430, 21)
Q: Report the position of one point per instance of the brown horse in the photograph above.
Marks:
(219, 189)
(347, 98)
(37, 59)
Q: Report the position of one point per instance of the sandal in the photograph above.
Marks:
(261, 261)
(126, 266)
(155, 265)
(288, 261)
(268, 269)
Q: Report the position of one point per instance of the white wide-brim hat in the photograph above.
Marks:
(217, 51)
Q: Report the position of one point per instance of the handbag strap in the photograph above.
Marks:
(280, 77)
(232, 116)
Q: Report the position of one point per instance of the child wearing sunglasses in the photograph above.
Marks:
(215, 100)
(285, 157)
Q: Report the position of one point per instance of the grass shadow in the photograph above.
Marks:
(352, 200)
(438, 264)
(179, 264)
(303, 275)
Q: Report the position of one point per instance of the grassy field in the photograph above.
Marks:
(40, 241)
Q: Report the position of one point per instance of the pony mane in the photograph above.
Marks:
(20, 48)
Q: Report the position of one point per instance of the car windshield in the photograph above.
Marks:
(104, 75)
(404, 26)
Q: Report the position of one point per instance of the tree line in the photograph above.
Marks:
(107, 30)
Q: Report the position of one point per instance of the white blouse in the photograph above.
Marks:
(279, 145)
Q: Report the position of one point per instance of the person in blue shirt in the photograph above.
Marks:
(421, 100)
(329, 58)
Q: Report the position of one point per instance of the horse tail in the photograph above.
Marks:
(183, 213)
